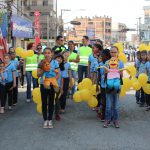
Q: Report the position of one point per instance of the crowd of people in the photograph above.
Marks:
(66, 66)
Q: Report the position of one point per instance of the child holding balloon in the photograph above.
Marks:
(48, 94)
(112, 98)
(137, 64)
(142, 69)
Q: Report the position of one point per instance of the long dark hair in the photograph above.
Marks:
(61, 66)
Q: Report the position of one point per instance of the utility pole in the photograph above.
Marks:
(139, 28)
(9, 15)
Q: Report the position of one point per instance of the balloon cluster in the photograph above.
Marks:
(144, 47)
(136, 84)
(24, 54)
(34, 74)
(121, 55)
(87, 92)
(36, 93)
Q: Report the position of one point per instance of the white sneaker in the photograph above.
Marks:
(50, 124)
(28, 100)
(2, 110)
(45, 125)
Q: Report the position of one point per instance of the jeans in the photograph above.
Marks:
(47, 96)
(74, 73)
(142, 98)
(112, 100)
(82, 70)
(21, 76)
(2, 95)
(35, 81)
(65, 91)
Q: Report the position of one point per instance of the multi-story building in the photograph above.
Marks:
(144, 30)
(47, 18)
(95, 28)
(118, 32)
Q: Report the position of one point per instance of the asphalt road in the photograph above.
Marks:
(79, 128)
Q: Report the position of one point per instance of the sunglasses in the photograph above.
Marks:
(39, 48)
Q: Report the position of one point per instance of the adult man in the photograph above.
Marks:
(59, 48)
(84, 52)
(74, 60)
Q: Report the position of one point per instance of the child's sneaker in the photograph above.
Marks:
(57, 117)
(45, 125)
(50, 124)
(116, 123)
(9, 108)
(106, 124)
(28, 100)
(148, 108)
(2, 110)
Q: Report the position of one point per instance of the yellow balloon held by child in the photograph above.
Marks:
(92, 102)
(122, 57)
(143, 78)
(77, 97)
(34, 74)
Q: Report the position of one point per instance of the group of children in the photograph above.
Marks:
(142, 65)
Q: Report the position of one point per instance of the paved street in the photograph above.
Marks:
(78, 130)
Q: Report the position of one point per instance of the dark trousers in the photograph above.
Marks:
(65, 91)
(103, 103)
(15, 92)
(21, 76)
(2, 95)
(57, 103)
(147, 98)
(142, 98)
(47, 96)
(82, 70)
(9, 94)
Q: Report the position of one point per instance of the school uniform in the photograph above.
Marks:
(148, 73)
(15, 62)
(48, 95)
(9, 83)
(65, 77)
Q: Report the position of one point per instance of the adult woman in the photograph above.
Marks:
(30, 64)
(112, 97)
(48, 95)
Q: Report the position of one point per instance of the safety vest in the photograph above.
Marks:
(85, 52)
(74, 65)
(31, 63)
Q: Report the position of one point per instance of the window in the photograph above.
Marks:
(45, 2)
(24, 3)
(34, 3)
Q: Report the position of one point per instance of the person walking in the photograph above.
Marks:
(84, 52)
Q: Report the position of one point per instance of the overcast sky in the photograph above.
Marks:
(124, 11)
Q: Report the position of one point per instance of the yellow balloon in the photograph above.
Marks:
(85, 94)
(36, 93)
(142, 47)
(148, 48)
(146, 88)
(39, 81)
(86, 83)
(127, 83)
(131, 71)
(34, 74)
(119, 46)
(19, 50)
(143, 78)
(133, 80)
(39, 108)
(136, 85)
(80, 86)
(93, 102)
(122, 93)
(23, 55)
(122, 57)
(30, 53)
(77, 97)
(93, 91)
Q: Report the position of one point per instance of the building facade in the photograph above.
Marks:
(118, 33)
(47, 18)
(94, 28)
